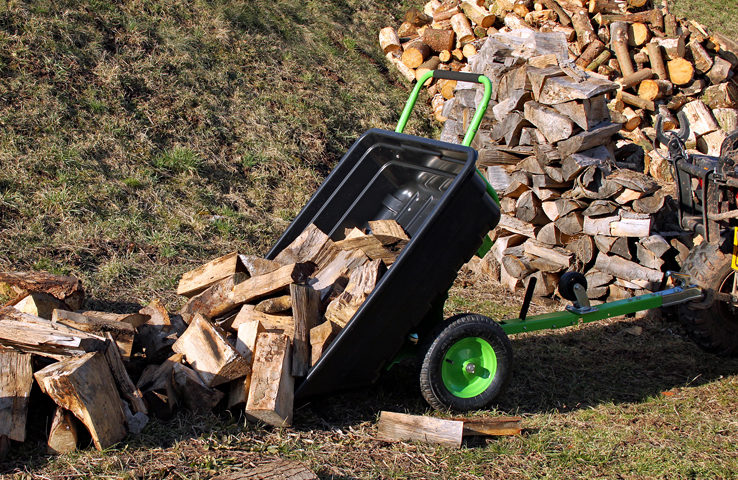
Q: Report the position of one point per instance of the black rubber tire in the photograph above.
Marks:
(567, 282)
(471, 325)
(711, 324)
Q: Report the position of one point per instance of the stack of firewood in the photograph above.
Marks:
(562, 142)
(249, 328)
(662, 64)
(566, 202)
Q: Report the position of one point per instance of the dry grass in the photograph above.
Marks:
(139, 138)
(597, 402)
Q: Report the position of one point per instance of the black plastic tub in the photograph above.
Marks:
(433, 190)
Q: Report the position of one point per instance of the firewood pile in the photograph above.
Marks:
(661, 64)
(250, 326)
(568, 137)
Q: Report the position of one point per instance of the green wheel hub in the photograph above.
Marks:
(469, 367)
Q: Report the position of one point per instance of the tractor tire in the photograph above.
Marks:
(467, 365)
(711, 324)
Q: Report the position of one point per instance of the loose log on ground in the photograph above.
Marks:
(84, 386)
(271, 395)
(389, 41)
(272, 470)
(479, 426)
(399, 427)
(16, 380)
(65, 288)
(210, 354)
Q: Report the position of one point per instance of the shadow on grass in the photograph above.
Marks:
(555, 371)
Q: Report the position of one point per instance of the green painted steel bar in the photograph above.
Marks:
(568, 318)
(471, 132)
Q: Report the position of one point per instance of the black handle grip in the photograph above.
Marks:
(458, 76)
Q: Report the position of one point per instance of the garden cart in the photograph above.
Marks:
(434, 191)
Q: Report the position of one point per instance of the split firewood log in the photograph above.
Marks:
(271, 393)
(85, 386)
(16, 381)
(65, 288)
(197, 280)
(207, 349)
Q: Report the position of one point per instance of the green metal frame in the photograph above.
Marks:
(471, 132)
(568, 318)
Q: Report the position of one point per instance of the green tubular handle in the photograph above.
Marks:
(473, 126)
(450, 75)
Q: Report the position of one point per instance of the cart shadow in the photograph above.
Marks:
(617, 361)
